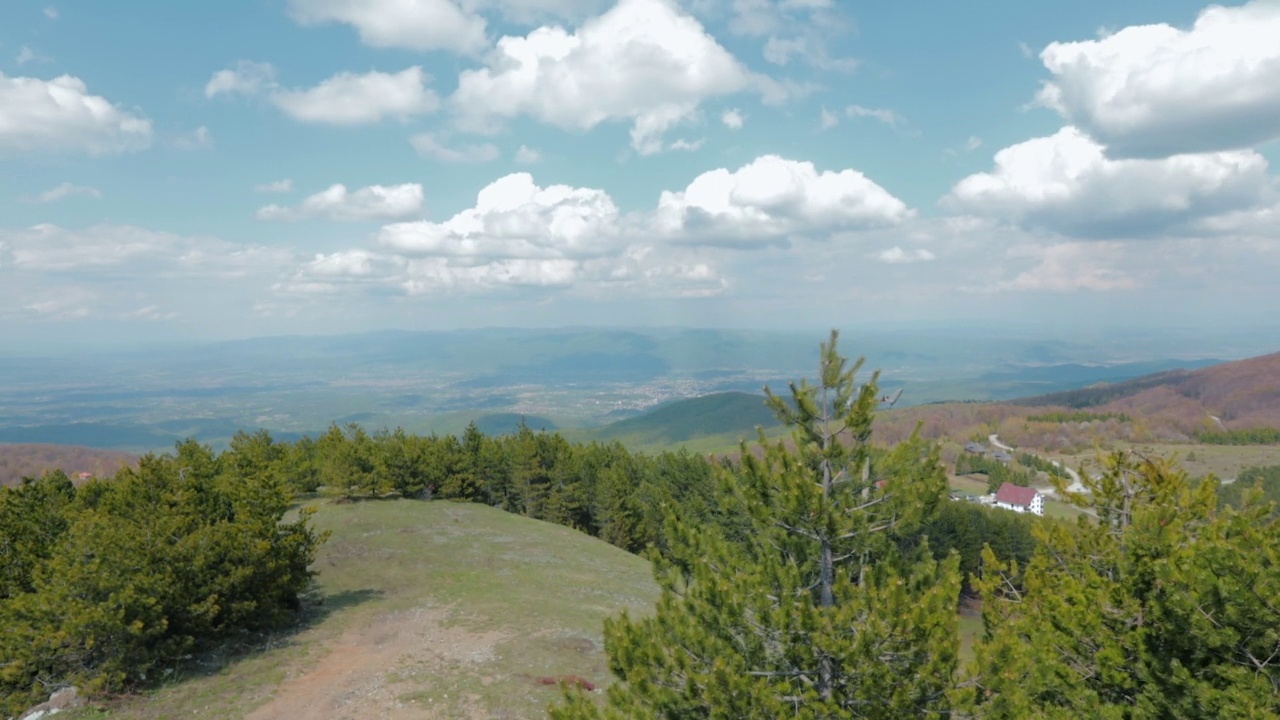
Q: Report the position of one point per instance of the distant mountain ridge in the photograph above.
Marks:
(684, 420)
(19, 460)
(1239, 394)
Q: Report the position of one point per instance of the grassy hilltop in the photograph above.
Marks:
(429, 610)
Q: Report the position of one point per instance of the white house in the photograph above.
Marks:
(1020, 499)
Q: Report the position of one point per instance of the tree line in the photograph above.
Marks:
(814, 577)
(829, 600)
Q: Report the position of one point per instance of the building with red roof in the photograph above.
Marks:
(1020, 499)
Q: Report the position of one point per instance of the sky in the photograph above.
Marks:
(191, 171)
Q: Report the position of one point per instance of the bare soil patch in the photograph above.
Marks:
(365, 672)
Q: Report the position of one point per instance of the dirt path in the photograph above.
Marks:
(366, 672)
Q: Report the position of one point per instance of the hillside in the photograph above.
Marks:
(430, 610)
(1240, 394)
(728, 413)
(1169, 406)
(34, 459)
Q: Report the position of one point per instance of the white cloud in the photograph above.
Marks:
(1156, 90)
(150, 312)
(102, 250)
(70, 304)
(884, 115)
(344, 99)
(973, 143)
(26, 55)
(642, 61)
(686, 145)
(376, 202)
(51, 12)
(278, 186)
(407, 24)
(527, 155)
(518, 235)
(828, 120)
(1068, 267)
(530, 12)
(199, 139)
(515, 218)
(1065, 183)
(772, 198)
(64, 191)
(246, 78)
(732, 119)
(896, 255)
(429, 147)
(351, 99)
(60, 114)
(811, 49)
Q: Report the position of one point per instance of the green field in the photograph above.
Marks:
(429, 610)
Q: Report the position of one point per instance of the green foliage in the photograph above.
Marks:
(1265, 480)
(1249, 436)
(1163, 607)
(130, 575)
(681, 420)
(804, 604)
(997, 472)
(1078, 416)
(1035, 462)
(966, 528)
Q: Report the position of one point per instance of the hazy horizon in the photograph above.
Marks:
(772, 164)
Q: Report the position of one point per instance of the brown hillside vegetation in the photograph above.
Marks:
(1169, 406)
(34, 459)
(1243, 394)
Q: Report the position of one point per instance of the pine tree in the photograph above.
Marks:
(806, 607)
(1163, 606)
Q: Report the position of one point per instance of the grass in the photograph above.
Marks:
(538, 592)
(542, 589)
(969, 484)
(1224, 461)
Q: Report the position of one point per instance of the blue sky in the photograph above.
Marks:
(214, 170)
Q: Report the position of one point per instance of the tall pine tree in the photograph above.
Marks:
(802, 605)
(1164, 606)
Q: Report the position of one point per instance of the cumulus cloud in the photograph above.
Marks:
(527, 155)
(51, 12)
(344, 99)
(827, 120)
(1065, 183)
(60, 114)
(246, 78)
(772, 198)
(732, 119)
(353, 99)
(429, 146)
(643, 61)
(518, 235)
(1155, 91)
(406, 24)
(62, 192)
(884, 115)
(897, 256)
(376, 202)
(515, 218)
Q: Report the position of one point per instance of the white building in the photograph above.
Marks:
(1020, 499)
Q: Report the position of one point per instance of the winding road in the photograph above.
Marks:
(1075, 486)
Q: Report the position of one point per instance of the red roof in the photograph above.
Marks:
(1011, 494)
